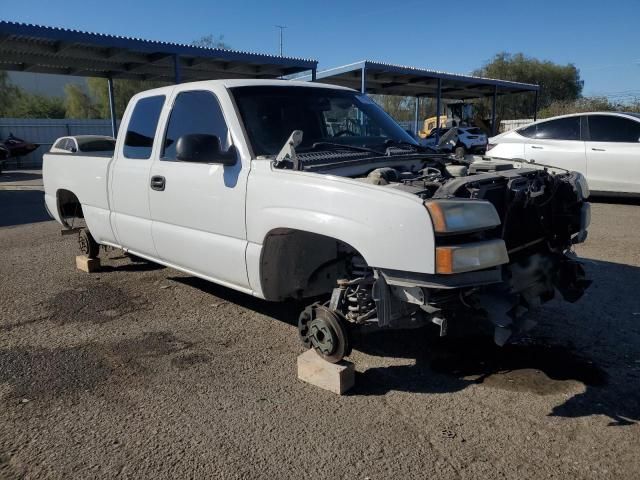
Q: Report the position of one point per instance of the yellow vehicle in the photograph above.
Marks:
(430, 123)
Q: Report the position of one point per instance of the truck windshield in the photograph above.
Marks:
(271, 113)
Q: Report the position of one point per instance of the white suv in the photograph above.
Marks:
(604, 146)
(464, 139)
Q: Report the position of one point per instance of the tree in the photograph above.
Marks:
(209, 41)
(402, 109)
(8, 93)
(588, 104)
(124, 89)
(557, 83)
(78, 103)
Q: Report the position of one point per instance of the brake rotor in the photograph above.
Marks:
(323, 330)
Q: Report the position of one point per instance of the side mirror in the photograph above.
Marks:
(74, 150)
(203, 148)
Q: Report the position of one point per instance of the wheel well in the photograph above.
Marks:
(300, 264)
(69, 207)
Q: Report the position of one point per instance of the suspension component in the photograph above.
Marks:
(353, 296)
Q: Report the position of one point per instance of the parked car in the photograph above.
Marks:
(83, 144)
(466, 140)
(603, 146)
(243, 183)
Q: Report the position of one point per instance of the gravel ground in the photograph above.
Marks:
(144, 372)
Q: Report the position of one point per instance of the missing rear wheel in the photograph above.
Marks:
(88, 246)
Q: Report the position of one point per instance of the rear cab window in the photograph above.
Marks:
(142, 126)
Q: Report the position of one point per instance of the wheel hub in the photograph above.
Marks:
(323, 339)
(324, 330)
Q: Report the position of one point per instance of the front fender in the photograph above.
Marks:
(390, 229)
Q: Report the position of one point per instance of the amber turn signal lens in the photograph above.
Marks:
(437, 216)
(444, 260)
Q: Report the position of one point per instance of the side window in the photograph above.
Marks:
(560, 129)
(142, 127)
(195, 112)
(608, 128)
(529, 132)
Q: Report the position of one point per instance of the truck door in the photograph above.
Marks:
(198, 209)
(613, 154)
(557, 143)
(129, 181)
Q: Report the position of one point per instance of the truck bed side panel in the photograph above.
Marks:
(86, 177)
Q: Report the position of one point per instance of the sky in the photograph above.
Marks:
(600, 38)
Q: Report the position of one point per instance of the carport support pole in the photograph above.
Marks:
(313, 74)
(112, 107)
(493, 110)
(176, 69)
(417, 114)
(363, 90)
(535, 107)
(438, 107)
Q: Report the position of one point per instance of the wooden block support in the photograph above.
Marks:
(86, 264)
(335, 377)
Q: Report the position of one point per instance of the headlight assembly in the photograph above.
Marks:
(471, 256)
(459, 216)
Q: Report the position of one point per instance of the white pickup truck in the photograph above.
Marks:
(284, 189)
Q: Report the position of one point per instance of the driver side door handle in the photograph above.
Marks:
(158, 183)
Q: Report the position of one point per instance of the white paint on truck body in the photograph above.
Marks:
(211, 220)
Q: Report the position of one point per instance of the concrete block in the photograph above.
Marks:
(86, 264)
(335, 377)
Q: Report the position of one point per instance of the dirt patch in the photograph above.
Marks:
(99, 304)
(189, 360)
(50, 373)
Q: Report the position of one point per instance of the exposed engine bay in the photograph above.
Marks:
(541, 215)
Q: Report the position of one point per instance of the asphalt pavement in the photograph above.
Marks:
(141, 371)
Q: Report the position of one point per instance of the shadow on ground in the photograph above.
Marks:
(595, 343)
(18, 207)
(286, 312)
(19, 176)
(615, 200)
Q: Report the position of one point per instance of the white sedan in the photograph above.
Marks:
(83, 144)
(604, 146)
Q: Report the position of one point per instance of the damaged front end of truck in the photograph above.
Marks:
(503, 247)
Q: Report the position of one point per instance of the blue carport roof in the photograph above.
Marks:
(41, 49)
(389, 79)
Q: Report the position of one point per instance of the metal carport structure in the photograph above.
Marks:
(41, 49)
(387, 79)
